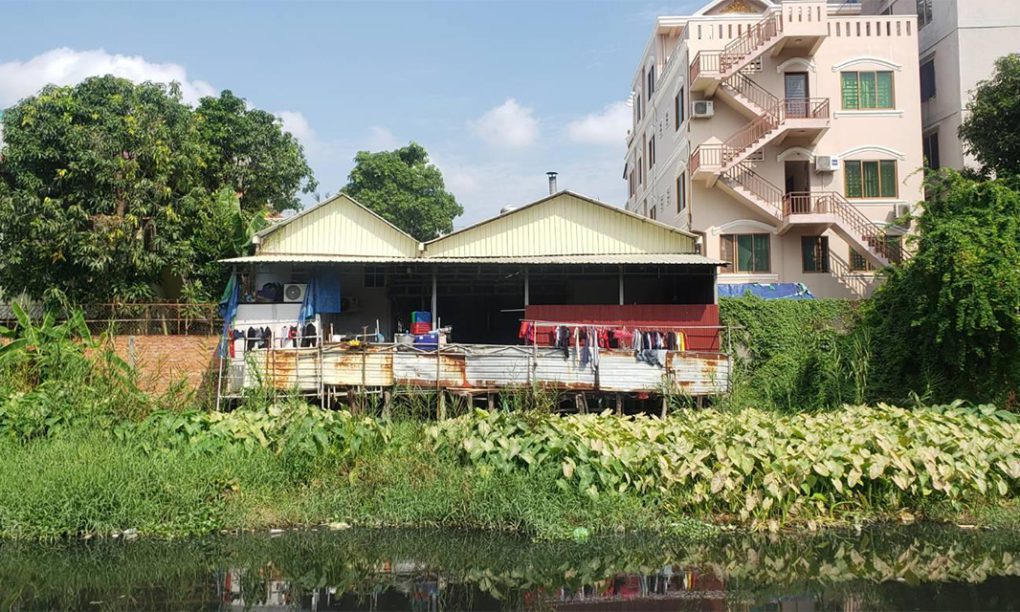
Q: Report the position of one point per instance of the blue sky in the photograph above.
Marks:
(498, 92)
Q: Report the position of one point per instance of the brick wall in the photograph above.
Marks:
(164, 360)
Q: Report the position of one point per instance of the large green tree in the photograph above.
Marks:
(405, 189)
(108, 188)
(250, 152)
(992, 129)
(947, 323)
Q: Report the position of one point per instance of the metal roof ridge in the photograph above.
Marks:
(318, 205)
(551, 196)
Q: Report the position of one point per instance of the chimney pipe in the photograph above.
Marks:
(552, 182)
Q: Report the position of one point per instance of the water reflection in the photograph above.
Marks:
(916, 568)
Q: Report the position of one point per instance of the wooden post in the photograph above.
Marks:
(491, 400)
(665, 405)
(619, 404)
(441, 407)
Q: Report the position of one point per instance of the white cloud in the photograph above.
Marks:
(296, 123)
(608, 126)
(507, 126)
(64, 66)
(381, 139)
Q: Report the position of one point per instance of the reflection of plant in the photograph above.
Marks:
(471, 566)
(756, 465)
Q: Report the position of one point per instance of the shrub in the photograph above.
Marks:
(756, 466)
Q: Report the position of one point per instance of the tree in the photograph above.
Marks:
(992, 130)
(949, 318)
(106, 191)
(251, 152)
(405, 189)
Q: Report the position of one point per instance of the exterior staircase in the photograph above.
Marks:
(818, 209)
(802, 20)
(807, 114)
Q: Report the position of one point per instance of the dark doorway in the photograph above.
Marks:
(797, 94)
(798, 186)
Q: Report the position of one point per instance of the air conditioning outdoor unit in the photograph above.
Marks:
(902, 210)
(826, 163)
(703, 109)
(294, 292)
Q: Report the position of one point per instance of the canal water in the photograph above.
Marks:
(916, 568)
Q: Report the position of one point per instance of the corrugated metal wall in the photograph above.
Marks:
(339, 227)
(563, 225)
(485, 367)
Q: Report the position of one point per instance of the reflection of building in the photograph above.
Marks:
(785, 133)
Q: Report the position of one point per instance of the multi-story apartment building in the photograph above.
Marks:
(786, 134)
(959, 42)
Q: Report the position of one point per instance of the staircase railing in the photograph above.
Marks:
(793, 108)
(754, 37)
(745, 177)
(852, 219)
(753, 92)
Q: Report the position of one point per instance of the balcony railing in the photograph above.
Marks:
(744, 176)
(705, 62)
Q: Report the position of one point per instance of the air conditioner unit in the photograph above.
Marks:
(826, 163)
(703, 109)
(294, 292)
(901, 210)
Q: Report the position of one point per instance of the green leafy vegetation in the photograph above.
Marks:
(990, 130)
(795, 355)
(108, 189)
(756, 466)
(405, 189)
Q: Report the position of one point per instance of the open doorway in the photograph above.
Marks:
(798, 186)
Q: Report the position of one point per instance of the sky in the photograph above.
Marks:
(498, 92)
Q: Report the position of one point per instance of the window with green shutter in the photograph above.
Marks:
(851, 94)
(868, 90)
(870, 179)
(814, 253)
(746, 252)
(887, 174)
(852, 172)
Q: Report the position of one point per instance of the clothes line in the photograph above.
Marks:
(650, 326)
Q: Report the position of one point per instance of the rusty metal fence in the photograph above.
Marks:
(141, 319)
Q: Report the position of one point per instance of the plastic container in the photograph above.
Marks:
(420, 328)
(421, 316)
(427, 342)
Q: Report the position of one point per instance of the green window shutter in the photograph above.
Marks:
(885, 90)
(807, 253)
(867, 90)
(870, 179)
(745, 253)
(761, 253)
(852, 173)
(887, 170)
(851, 97)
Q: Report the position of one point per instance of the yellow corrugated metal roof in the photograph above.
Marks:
(339, 226)
(636, 259)
(562, 224)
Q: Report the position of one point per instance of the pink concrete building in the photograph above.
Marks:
(785, 134)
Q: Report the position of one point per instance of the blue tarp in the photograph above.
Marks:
(228, 310)
(322, 296)
(768, 291)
